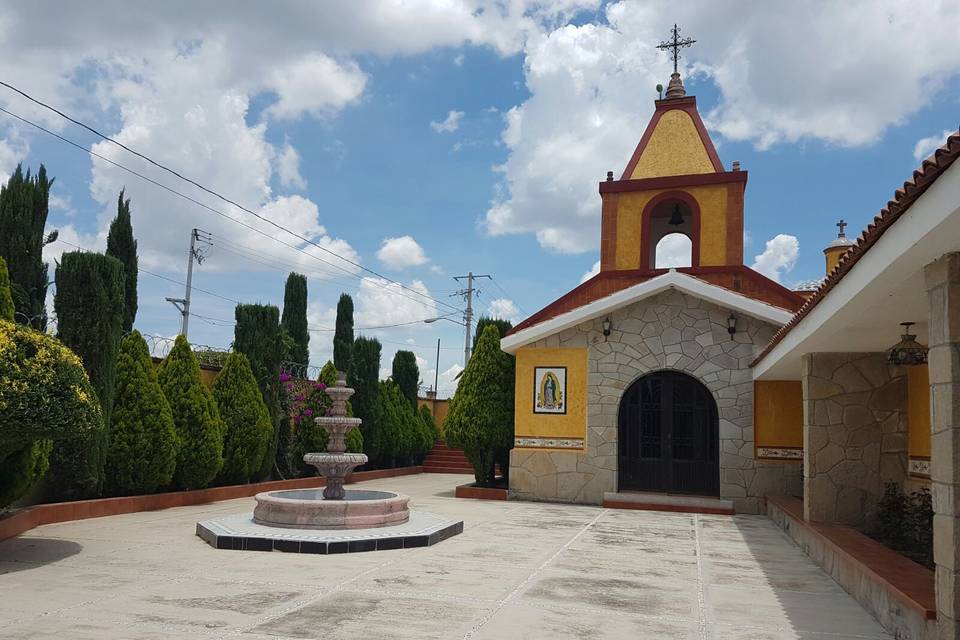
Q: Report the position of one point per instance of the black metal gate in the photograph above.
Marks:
(668, 436)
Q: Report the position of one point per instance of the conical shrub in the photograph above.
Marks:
(143, 439)
(7, 309)
(195, 416)
(246, 420)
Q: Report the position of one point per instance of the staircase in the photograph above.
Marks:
(443, 459)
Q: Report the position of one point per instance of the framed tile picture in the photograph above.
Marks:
(550, 390)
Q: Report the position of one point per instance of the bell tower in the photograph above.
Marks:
(674, 183)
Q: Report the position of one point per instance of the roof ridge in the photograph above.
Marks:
(921, 178)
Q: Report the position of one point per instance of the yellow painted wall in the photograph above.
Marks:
(918, 410)
(832, 255)
(573, 424)
(713, 224)
(778, 413)
(674, 149)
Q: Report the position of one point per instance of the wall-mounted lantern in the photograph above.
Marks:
(908, 351)
(606, 327)
(732, 324)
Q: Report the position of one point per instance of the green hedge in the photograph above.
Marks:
(245, 418)
(195, 415)
(143, 439)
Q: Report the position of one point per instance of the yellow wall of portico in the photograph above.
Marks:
(573, 424)
(918, 410)
(778, 414)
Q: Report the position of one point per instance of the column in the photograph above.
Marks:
(943, 292)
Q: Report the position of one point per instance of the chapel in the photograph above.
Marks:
(638, 383)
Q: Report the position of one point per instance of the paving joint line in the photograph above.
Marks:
(701, 597)
(530, 577)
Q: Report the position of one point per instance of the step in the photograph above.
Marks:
(446, 465)
(448, 470)
(436, 458)
(645, 501)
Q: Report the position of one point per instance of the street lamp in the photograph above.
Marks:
(466, 348)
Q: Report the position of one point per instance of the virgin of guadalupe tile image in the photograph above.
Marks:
(550, 390)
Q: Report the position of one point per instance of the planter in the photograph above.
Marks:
(29, 517)
(481, 493)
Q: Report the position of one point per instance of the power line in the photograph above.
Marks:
(509, 297)
(175, 192)
(216, 194)
(231, 323)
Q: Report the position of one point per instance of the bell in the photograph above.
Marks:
(676, 218)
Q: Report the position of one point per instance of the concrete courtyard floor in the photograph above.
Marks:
(519, 570)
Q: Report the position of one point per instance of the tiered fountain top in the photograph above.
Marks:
(336, 422)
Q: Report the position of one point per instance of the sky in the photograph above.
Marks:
(419, 140)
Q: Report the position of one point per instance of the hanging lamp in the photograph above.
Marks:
(908, 351)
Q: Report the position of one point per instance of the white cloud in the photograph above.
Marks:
(503, 309)
(400, 253)
(315, 84)
(843, 74)
(448, 381)
(450, 124)
(458, 59)
(926, 146)
(779, 256)
(379, 302)
(594, 270)
(288, 167)
(673, 250)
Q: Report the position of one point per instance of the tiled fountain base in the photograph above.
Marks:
(240, 532)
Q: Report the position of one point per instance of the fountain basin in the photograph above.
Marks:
(307, 509)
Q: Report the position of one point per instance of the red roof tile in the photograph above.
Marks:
(903, 198)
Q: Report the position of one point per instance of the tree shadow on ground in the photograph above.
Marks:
(23, 554)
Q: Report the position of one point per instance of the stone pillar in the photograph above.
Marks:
(854, 434)
(943, 291)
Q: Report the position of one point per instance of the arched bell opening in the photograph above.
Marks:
(673, 250)
(668, 436)
(671, 221)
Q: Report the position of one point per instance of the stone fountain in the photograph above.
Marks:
(334, 519)
(334, 507)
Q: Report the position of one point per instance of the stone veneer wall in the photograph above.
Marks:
(674, 331)
(854, 434)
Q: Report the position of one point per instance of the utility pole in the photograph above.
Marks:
(468, 313)
(436, 372)
(183, 304)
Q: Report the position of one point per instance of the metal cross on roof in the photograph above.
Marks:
(842, 225)
(676, 44)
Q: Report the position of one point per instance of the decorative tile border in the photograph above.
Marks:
(780, 453)
(241, 533)
(548, 443)
(920, 467)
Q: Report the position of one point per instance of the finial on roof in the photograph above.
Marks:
(674, 44)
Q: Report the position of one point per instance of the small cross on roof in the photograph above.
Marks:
(675, 43)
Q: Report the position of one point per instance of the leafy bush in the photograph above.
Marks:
(6, 300)
(22, 469)
(481, 412)
(905, 523)
(195, 415)
(143, 439)
(247, 424)
(89, 303)
(45, 394)
(427, 432)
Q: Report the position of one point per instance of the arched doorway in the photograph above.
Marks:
(668, 431)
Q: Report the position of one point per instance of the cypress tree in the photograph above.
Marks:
(122, 246)
(503, 326)
(143, 439)
(343, 335)
(294, 319)
(6, 300)
(480, 420)
(427, 431)
(396, 424)
(195, 416)
(258, 336)
(246, 420)
(364, 376)
(89, 306)
(24, 205)
(406, 374)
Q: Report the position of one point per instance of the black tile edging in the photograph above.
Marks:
(286, 545)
